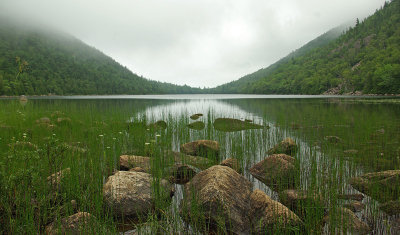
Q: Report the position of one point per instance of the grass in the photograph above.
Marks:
(95, 133)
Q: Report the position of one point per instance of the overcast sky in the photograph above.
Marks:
(193, 42)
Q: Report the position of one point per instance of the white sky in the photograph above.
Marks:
(194, 42)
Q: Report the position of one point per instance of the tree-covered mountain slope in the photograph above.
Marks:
(40, 62)
(365, 59)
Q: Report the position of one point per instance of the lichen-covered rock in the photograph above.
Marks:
(127, 162)
(203, 148)
(137, 169)
(344, 221)
(181, 174)
(277, 171)
(230, 125)
(271, 217)
(382, 186)
(79, 223)
(218, 196)
(232, 163)
(130, 193)
(286, 146)
(308, 205)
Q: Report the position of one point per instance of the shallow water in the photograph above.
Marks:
(370, 125)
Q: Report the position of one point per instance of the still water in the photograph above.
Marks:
(368, 125)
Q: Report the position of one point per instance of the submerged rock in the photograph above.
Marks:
(196, 116)
(269, 216)
(130, 193)
(127, 162)
(219, 197)
(203, 148)
(181, 174)
(230, 124)
(354, 206)
(382, 186)
(79, 223)
(196, 125)
(286, 146)
(304, 204)
(391, 207)
(232, 163)
(344, 221)
(277, 171)
(158, 125)
(333, 139)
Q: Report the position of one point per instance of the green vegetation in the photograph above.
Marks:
(88, 136)
(364, 59)
(41, 62)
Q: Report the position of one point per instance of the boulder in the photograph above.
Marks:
(344, 221)
(181, 173)
(286, 146)
(137, 169)
(232, 163)
(158, 125)
(305, 204)
(199, 162)
(202, 148)
(271, 217)
(230, 125)
(277, 171)
(44, 120)
(55, 179)
(382, 186)
(130, 193)
(391, 207)
(219, 198)
(63, 121)
(127, 162)
(354, 206)
(79, 223)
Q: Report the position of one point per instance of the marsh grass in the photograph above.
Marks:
(99, 131)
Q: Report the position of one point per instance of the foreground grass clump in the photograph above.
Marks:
(57, 155)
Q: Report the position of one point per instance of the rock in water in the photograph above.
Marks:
(303, 203)
(199, 125)
(382, 186)
(286, 146)
(79, 223)
(130, 193)
(277, 171)
(196, 116)
(127, 162)
(344, 221)
(391, 207)
(181, 174)
(230, 124)
(232, 163)
(271, 217)
(354, 206)
(203, 148)
(219, 198)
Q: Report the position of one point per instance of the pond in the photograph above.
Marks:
(337, 137)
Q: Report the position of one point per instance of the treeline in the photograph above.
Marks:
(41, 62)
(366, 59)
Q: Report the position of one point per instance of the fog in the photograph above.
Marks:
(199, 43)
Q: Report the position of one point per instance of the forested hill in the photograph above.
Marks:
(366, 59)
(41, 62)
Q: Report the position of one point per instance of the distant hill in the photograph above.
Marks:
(52, 62)
(365, 59)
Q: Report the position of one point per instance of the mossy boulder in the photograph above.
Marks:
(271, 217)
(199, 125)
(127, 162)
(305, 204)
(216, 200)
(232, 163)
(230, 125)
(286, 146)
(391, 207)
(202, 148)
(277, 171)
(344, 221)
(181, 173)
(79, 223)
(354, 206)
(382, 186)
(131, 194)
